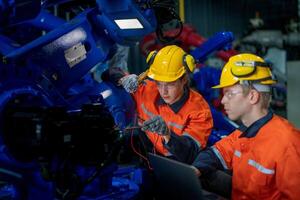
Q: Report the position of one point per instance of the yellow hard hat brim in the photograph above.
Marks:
(217, 86)
(165, 78)
(224, 85)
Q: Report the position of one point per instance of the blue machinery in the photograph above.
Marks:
(45, 62)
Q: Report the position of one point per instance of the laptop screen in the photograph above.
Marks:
(175, 180)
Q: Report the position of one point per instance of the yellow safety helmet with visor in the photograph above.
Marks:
(169, 64)
(246, 67)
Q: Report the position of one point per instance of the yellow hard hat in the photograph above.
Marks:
(245, 67)
(169, 63)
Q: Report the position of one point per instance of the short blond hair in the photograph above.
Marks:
(265, 97)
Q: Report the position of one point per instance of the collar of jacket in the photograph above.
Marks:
(252, 130)
(178, 104)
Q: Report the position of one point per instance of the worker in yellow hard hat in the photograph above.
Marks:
(264, 152)
(176, 119)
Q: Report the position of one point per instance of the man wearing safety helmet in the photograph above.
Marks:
(264, 153)
(176, 119)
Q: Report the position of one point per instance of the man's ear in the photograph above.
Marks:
(254, 96)
(184, 79)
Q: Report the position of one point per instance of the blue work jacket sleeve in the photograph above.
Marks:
(207, 161)
(183, 148)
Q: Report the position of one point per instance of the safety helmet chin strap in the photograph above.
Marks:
(257, 86)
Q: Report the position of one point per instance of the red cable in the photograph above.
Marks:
(135, 151)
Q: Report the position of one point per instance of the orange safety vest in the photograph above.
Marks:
(266, 166)
(193, 120)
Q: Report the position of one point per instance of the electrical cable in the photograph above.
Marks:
(139, 154)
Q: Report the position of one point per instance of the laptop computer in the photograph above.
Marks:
(175, 180)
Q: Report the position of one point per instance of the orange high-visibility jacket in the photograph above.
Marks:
(266, 166)
(193, 120)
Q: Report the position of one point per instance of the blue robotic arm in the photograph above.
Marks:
(219, 41)
(40, 69)
(68, 52)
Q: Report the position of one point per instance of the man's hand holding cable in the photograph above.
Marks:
(157, 125)
(129, 83)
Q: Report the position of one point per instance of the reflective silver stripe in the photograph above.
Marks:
(5, 171)
(260, 168)
(188, 135)
(175, 125)
(150, 115)
(147, 112)
(237, 153)
(180, 127)
(168, 153)
(218, 154)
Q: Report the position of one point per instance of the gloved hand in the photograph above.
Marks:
(130, 83)
(157, 125)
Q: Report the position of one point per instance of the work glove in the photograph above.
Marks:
(156, 125)
(130, 83)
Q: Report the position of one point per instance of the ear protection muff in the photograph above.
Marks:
(188, 62)
(246, 68)
(151, 57)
